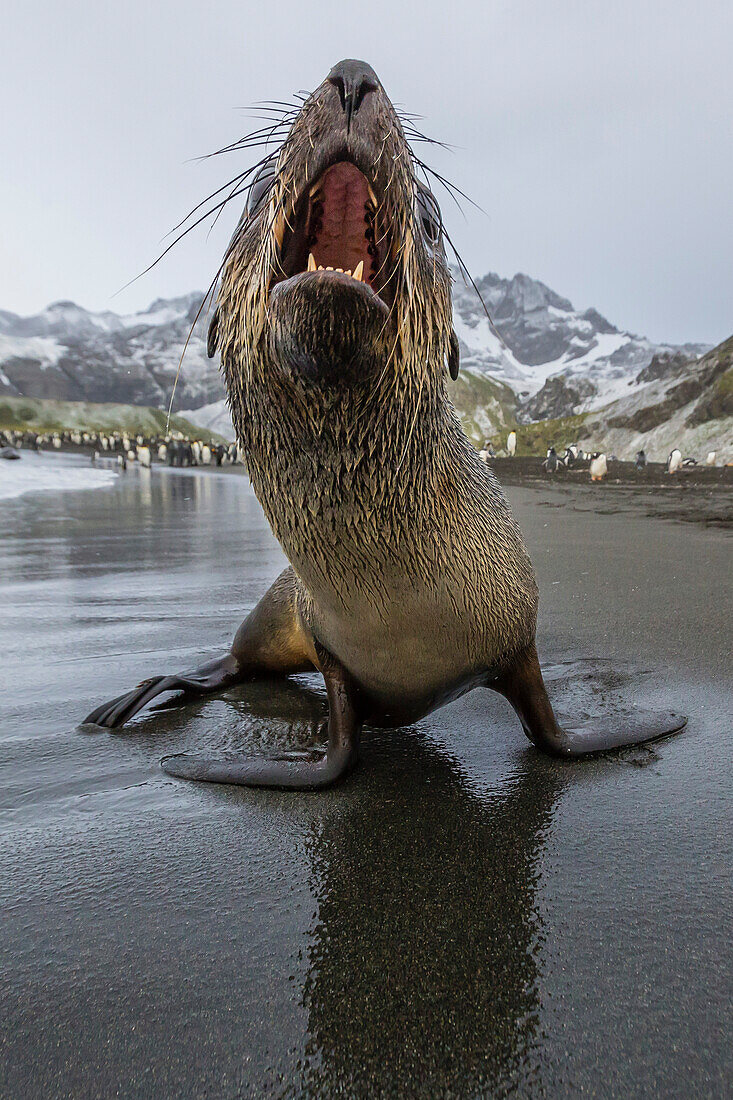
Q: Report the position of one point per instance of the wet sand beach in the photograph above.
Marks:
(461, 918)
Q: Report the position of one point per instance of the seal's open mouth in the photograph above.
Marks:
(335, 227)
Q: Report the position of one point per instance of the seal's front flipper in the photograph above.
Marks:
(303, 771)
(213, 676)
(522, 684)
(270, 641)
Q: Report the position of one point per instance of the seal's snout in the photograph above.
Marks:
(326, 327)
(353, 80)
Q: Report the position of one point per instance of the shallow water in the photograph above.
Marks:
(37, 473)
(462, 917)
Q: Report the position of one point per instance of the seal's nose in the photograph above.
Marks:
(353, 80)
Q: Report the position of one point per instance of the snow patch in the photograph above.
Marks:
(44, 349)
(214, 418)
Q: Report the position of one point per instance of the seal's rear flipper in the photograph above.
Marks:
(615, 732)
(522, 684)
(301, 770)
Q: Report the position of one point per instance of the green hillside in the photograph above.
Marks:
(37, 415)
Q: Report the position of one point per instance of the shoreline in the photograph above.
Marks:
(698, 495)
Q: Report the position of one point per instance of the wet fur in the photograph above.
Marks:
(408, 563)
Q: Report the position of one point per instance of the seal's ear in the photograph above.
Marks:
(213, 337)
(454, 355)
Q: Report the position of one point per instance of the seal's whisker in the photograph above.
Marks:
(417, 135)
(449, 187)
(283, 102)
(209, 295)
(240, 146)
(468, 279)
(232, 194)
(234, 180)
(180, 237)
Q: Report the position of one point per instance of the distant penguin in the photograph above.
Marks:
(674, 461)
(196, 452)
(710, 460)
(205, 455)
(484, 455)
(122, 461)
(598, 466)
(57, 442)
(511, 444)
(131, 455)
(640, 459)
(570, 456)
(162, 452)
(551, 462)
(143, 457)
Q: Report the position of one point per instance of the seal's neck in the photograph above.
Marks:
(344, 464)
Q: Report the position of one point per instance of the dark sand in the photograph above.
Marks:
(462, 917)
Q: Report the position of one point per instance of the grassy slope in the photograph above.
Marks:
(488, 410)
(591, 429)
(37, 415)
(485, 406)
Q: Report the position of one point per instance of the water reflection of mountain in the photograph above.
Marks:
(424, 962)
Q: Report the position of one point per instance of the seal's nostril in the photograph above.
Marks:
(352, 80)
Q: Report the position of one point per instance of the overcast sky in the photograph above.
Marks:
(596, 134)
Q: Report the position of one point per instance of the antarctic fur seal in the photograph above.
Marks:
(409, 583)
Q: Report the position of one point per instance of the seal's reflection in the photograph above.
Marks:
(423, 967)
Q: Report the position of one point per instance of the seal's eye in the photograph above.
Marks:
(261, 184)
(428, 212)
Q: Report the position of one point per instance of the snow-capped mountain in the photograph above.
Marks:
(677, 403)
(555, 359)
(67, 353)
(558, 360)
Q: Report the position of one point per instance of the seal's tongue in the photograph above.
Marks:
(342, 221)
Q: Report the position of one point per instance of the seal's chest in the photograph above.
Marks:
(397, 627)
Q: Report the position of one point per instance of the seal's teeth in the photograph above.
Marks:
(347, 272)
(359, 270)
(279, 230)
(311, 262)
(321, 267)
(329, 269)
(340, 269)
